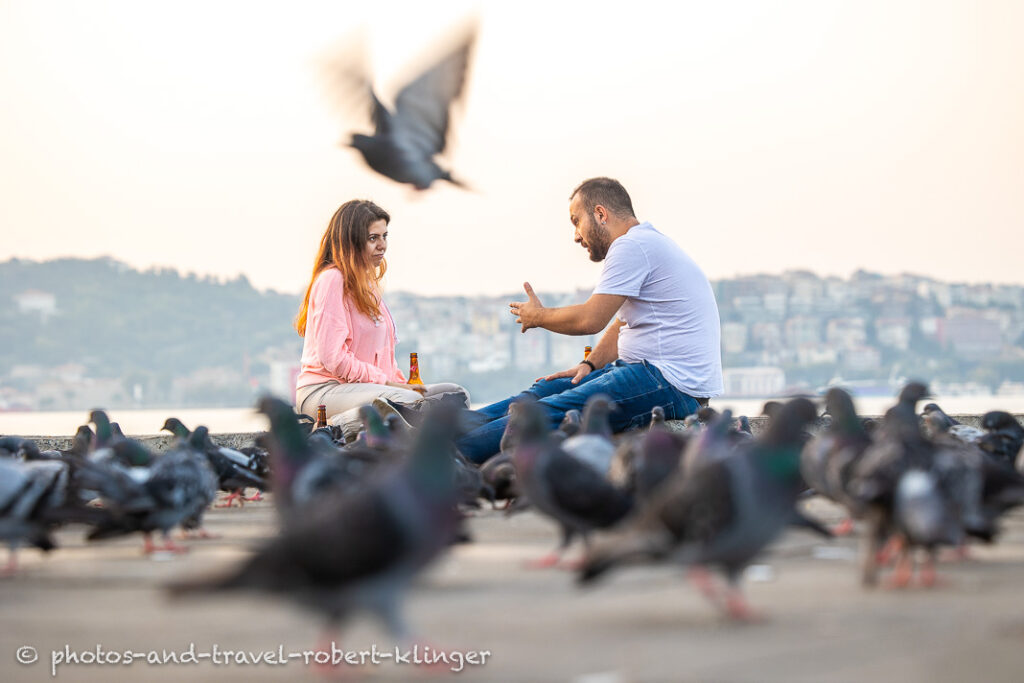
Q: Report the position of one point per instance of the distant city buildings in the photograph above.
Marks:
(790, 332)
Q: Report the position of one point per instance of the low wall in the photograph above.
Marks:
(162, 442)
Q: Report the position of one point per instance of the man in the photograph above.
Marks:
(663, 346)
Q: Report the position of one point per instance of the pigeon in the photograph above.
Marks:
(175, 489)
(499, 476)
(661, 453)
(111, 444)
(228, 462)
(406, 140)
(35, 497)
(571, 424)
(710, 444)
(569, 491)
(830, 458)
(925, 517)
(723, 514)
(898, 445)
(1003, 437)
(936, 422)
(593, 443)
(233, 468)
(306, 468)
(361, 552)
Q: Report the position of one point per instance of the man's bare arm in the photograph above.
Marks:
(590, 317)
(606, 351)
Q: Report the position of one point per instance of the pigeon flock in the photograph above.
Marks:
(360, 520)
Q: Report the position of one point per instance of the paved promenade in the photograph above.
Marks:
(643, 624)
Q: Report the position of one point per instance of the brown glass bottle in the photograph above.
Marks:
(586, 352)
(414, 369)
(321, 416)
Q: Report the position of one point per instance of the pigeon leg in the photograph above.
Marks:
(255, 498)
(199, 533)
(737, 607)
(844, 528)
(904, 570)
(892, 548)
(11, 568)
(545, 562)
(961, 553)
(168, 546)
(552, 558)
(929, 577)
(577, 564)
(230, 499)
(870, 542)
(705, 583)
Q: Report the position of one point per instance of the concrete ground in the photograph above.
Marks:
(643, 624)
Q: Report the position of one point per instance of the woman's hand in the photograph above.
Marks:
(418, 388)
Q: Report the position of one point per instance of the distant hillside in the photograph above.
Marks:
(117, 321)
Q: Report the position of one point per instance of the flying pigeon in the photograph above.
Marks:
(406, 139)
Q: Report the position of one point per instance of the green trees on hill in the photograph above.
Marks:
(116, 321)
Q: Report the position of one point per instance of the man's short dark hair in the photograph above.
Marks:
(607, 192)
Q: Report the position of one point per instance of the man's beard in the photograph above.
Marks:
(598, 241)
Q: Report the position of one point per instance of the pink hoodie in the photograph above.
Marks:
(341, 343)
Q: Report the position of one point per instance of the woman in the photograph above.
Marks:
(348, 356)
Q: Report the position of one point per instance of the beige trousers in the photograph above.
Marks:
(344, 399)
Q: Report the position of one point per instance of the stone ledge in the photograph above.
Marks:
(162, 442)
(158, 443)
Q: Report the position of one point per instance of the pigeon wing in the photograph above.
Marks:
(701, 507)
(581, 491)
(422, 106)
(342, 540)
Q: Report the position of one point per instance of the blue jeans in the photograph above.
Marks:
(634, 387)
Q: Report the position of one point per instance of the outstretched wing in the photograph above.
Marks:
(422, 107)
(346, 76)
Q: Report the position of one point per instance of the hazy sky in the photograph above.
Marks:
(763, 136)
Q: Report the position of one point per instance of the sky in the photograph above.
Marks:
(762, 136)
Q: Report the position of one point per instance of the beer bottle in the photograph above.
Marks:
(321, 416)
(414, 369)
(586, 352)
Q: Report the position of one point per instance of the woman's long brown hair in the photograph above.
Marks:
(343, 246)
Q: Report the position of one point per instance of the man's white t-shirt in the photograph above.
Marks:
(670, 311)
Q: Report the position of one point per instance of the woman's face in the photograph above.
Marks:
(377, 242)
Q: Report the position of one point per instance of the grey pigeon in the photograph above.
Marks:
(234, 469)
(593, 443)
(898, 446)
(660, 454)
(571, 492)
(406, 140)
(722, 515)
(174, 491)
(361, 552)
(499, 477)
(936, 422)
(1003, 437)
(35, 497)
(829, 460)
(571, 424)
(925, 517)
(307, 467)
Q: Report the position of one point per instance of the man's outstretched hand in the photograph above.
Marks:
(527, 312)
